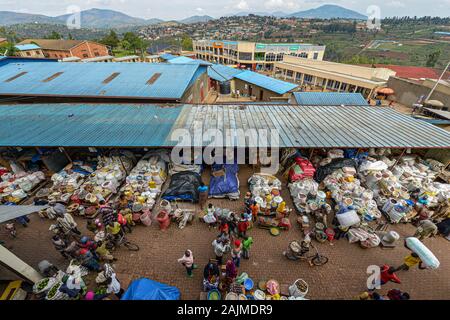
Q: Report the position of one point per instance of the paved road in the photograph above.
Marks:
(342, 278)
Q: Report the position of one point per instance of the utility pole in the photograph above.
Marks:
(437, 82)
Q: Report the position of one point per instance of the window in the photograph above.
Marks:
(303, 55)
(316, 55)
(110, 78)
(28, 53)
(330, 84)
(298, 76)
(37, 52)
(56, 75)
(344, 87)
(280, 57)
(270, 57)
(153, 79)
(259, 56)
(245, 56)
(337, 84)
(85, 55)
(16, 76)
(289, 73)
(308, 78)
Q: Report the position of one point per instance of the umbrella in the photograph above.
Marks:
(386, 91)
(434, 103)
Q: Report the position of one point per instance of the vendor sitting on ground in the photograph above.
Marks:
(123, 202)
(103, 252)
(211, 275)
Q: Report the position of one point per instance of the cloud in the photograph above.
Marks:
(396, 4)
(199, 9)
(281, 4)
(242, 5)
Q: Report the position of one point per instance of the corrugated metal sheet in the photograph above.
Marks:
(11, 212)
(329, 99)
(167, 56)
(187, 60)
(268, 83)
(86, 79)
(24, 47)
(439, 113)
(126, 125)
(318, 126)
(222, 73)
(98, 125)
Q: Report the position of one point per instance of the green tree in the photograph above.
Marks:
(111, 40)
(54, 35)
(186, 43)
(8, 49)
(433, 58)
(135, 43)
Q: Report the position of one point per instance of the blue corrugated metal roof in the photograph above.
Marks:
(96, 125)
(167, 56)
(4, 60)
(86, 79)
(187, 60)
(222, 73)
(132, 125)
(313, 126)
(266, 82)
(330, 99)
(24, 47)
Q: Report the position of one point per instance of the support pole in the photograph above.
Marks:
(19, 267)
(398, 159)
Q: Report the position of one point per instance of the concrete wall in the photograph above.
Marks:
(193, 94)
(408, 92)
(92, 49)
(341, 68)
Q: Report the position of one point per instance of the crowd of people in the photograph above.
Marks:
(93, 251)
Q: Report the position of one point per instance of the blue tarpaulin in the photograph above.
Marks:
(146, 289)
(226, 185)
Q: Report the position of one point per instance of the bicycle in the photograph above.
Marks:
(114, 242)
(294, 253)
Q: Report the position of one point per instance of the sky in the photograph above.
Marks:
(178, 9)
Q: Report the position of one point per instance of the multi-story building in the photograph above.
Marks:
(314, 75)
(60, 49)
(257, 56)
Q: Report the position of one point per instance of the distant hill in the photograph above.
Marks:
(92, 18)
(8, 18)
(101, 18)
(329, 11)
(196, 19)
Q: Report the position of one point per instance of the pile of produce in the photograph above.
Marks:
(15, 186)
(144, 183)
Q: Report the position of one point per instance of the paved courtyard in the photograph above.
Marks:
(342, 278)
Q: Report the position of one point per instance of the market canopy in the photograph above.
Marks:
(12, 212)
(143, 125)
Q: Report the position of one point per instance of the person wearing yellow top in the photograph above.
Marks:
(103, 252)
(410, 261)
(113, 228)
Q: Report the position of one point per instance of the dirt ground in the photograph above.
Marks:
(342, 278)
